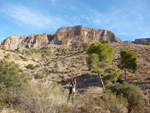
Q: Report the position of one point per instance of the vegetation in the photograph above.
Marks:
(99, 57)
(62, 50)
(111, 74)
(73, 49)
(44, 96)
(43, 56)
(146, 43)
(7, 56)
(30, 66)
(84, 46)
(12, 82)
(15, 51)
(3, 48)
(130, 93)
(110, 101)
(106, 41)
(128, 61)
(27, 52)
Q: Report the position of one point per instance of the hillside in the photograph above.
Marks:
(61, 68)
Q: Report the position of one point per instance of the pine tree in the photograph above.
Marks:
(128, 61)
(100, 56)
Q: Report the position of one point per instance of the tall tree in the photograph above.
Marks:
(99, 57)
(128, 61)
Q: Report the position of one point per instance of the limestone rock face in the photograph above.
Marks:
(142, 40)
(68, 36)
(73, 36)
(34, 41)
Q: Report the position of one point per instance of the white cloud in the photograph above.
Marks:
(24, 15)
(123, 18)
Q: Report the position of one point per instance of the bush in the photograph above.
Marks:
(43, 56)
(37, 66)
(62, 50)
(73, 49)
(146, 43)
(15, 51)
(130, 93)
(44, 97)
(3, 48)
(115, 104)
(103, 104)
(30, 66)
(7, 56)
(106, 41)
(40, 76)
(47, 51)
(12, 82)
(85, 46)
(27, 52)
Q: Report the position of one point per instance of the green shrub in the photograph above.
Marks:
(115, 104)
(39, 76)
(15, 51)
(30, 66)
(43, 56)
(12, 81)
(27, 52)
(7, 56)
(37, 66)
(46, 51)
(146, 43)
(130, 93)
(3, 48)
(85, 46)
(62, 50)
(106, 41)
(73, 49)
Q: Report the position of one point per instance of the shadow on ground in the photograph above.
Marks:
(83, 82)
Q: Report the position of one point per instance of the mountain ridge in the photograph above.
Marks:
(65, 36)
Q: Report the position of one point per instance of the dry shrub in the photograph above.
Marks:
(111, 102)
(108, 102)
(44, 97)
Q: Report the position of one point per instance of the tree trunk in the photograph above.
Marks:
(101, 80)
(125, 74)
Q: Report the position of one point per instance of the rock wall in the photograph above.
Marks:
(74, 36)
(142, 40)
(68, 36)
(34, 41)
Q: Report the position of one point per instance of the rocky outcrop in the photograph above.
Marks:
(74, 36)
(68, 36)
(142, 40)
(34, 41)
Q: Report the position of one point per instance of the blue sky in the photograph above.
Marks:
(128, 19)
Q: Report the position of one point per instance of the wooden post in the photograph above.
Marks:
(101, 80)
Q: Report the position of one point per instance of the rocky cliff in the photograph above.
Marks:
(34, 41)
(68, 36)
(74, 36)
(142, 40)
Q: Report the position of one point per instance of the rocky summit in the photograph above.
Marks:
(34, 41)
(68, 36)
(142, 40)
(74, 36)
